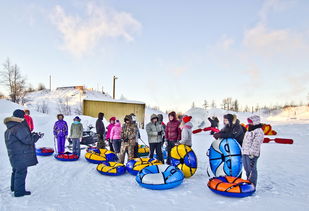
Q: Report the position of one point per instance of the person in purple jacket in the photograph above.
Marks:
(60, 132)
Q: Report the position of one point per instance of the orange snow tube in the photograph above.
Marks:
(268, 130)
(231, 186)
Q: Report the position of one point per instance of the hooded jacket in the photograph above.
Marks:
(129, 130)
(153, 129)
(20, 143)
(99, 125)
(232, 130)
(186, 134)
(253, 138)
(116, 132)
(172, 130)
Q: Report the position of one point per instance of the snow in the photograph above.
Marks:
(291, 113)
(283, 182)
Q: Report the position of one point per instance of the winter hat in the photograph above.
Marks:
(229, 117)
(255, 120)
(153, 116)
(173, 113)
(100, 115)
(112, 119)
(160, 117)
(19, 113)
(128, 118)
(186, 119)
(77, 118)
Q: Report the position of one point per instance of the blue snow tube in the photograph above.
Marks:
(160, 177)
(67, 156)
(164, 153)
(44, 151)
(225, 157)
(111, 168)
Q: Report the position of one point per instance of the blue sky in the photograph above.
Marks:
(166, 53)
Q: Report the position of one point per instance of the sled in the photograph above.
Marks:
(279, 140)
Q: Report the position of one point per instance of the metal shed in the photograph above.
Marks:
(115, 108)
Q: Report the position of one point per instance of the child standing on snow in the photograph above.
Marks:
(186, 131)
(115, 137)
(76, 135)
(109, 129)
(28, 119)
(251, 147)
(60, 132)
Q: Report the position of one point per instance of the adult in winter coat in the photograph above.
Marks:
(172, 134)
(76, 134)
(128, 136)
(138, 135)
(214, 122)
(60, 133)
(232, 129)
(99, 125)
(160, 120)
(20, 143)
(186, 131)
(251, 147)
(109, 129)
(29, 120)
(155, 132)
(115, 137)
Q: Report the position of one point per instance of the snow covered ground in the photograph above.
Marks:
(283, 178)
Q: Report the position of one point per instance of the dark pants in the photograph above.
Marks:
(111, 147)
(101, 142)
(136, 150)
(170, 145)
(18, 180)
(250, 168)
(116, 145)
(158, 148)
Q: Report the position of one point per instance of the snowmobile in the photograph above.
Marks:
(89, 138)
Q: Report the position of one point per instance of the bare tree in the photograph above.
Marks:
(213, 104)
(41, 87)
(42, 107)
(11, 78)
(227, 103)
(193, 105)
(205, 105)
(235, 106)
(63, 106)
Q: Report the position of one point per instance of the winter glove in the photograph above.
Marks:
(160, 133)
(216, 135)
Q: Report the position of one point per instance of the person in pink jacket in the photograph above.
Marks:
(115, 137)
(108, 133)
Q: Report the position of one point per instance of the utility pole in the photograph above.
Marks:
(114, 86)
(49, 82)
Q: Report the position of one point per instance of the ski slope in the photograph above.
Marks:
(283, 182)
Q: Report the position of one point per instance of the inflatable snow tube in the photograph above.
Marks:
(137, 164)
(225, 157)
(44, 151)
(67, 156)
(111, 168)
(164, 153)
(97, 156)
(231, 186)
(160, 177)
(184, 158)
(143, 150)
(268, 130)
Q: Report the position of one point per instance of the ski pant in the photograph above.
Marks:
(61, 144)
(250, 166)
(116, 145)
(18, 180)
(76, 146)
(136, 150)
(170, 145)
(127, 147)
(101, 142)
(111, 147)
(158, 148)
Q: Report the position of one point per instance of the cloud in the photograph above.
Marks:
(81, 34)
(273, 5)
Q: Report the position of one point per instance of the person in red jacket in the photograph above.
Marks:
(28, 119)
(172, 134)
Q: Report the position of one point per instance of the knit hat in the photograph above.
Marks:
(77, 118)
(19, 113)
(112, 119)
(186, 119)
(229, 117)
(255, 120)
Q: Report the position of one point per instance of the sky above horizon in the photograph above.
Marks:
(165, 53)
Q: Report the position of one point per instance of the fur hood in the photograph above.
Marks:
(12, 119)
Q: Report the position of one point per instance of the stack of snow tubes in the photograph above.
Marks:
(183, 157)
(160, 177)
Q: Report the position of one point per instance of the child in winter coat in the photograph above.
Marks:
(115, 137)
(251, 147)
(76, 135)
(186, 131)
(60, 133)
(172, 134)
(28, 119)
(109, 129)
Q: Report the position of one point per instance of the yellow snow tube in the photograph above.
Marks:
(97, 156)
(143, 150)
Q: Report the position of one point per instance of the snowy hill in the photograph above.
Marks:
(291, 113)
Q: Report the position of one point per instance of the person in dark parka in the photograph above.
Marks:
(232, 129)
(20, 143)
(100, 131)
(214, 122)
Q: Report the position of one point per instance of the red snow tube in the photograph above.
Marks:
(279, 140)
(44, 151)
(197, 131)
(216, 130)
(67, 156)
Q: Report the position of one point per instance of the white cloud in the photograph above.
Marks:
(273, 5)
(82, 34)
